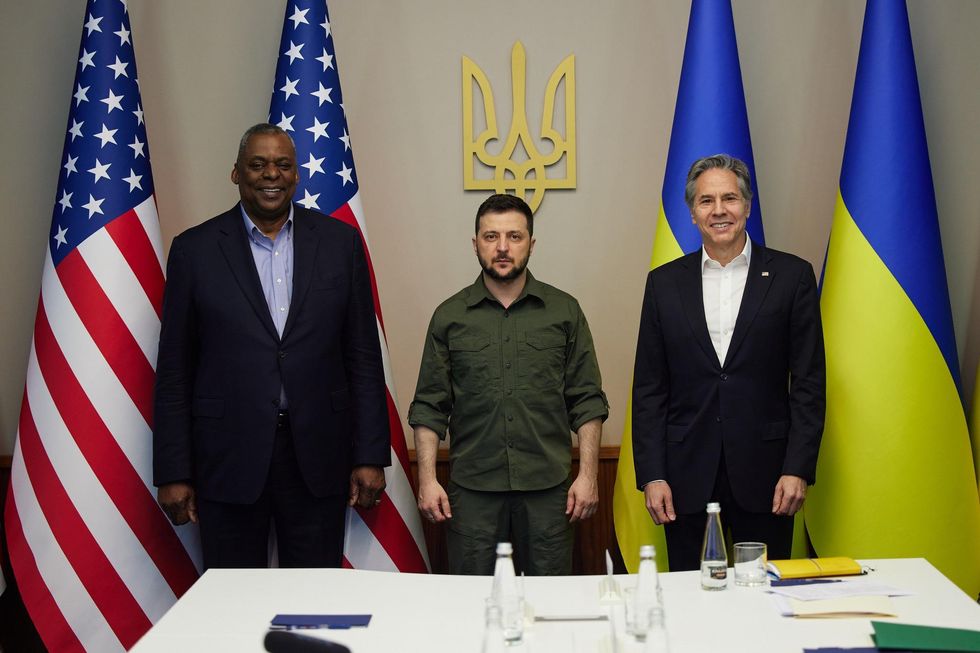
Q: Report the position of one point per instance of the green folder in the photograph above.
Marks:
(925, 638)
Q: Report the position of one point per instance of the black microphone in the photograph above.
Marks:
(284, 641)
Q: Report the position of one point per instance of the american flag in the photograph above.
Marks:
(307, 103)
(96, 560)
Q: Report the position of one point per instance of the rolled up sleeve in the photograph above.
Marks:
(584, 398)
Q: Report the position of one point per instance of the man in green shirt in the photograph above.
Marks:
(510, 370)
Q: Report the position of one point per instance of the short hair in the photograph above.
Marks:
(502, 203)
(719, 162)
(261, 128)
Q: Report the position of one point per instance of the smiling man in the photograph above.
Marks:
(509, 370)
(729, 381)
(270, 400)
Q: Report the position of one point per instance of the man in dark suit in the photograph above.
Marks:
(729, 383)
(270, 396)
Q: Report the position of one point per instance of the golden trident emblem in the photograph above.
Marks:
(508, 174)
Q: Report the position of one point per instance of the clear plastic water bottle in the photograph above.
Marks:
(648, 594)
(507, 596)
(714, 558)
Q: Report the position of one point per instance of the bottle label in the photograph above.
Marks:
(714, 575)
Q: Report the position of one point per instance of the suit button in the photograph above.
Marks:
(282, 354)
(724, 377)
(718, 419)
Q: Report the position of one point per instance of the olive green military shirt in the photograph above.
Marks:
(509, 385)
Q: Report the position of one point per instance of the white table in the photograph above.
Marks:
(229, 610)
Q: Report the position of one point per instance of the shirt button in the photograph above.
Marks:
(506, 313)
(507, 365)
(506, 338)
(509, 391)
(282, 309)
(510, 418)
(510, 443)
(278, 280)
(277, 253)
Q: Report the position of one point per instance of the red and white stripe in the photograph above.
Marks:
(388, 537)
(96, 560)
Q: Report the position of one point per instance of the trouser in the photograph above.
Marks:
(309, 529)
(686, 535)
(534, 522)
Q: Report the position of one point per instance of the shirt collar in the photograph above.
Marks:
(478, 292)
(254, 232)
(746, 252)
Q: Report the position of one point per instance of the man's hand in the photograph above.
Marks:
(789, 495)
(178, 502)
(583, 498)
(367, 482)
(660, 502)
(433, 502)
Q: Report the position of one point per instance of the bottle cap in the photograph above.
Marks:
(504, 548)
(647, 551)
(714, 507)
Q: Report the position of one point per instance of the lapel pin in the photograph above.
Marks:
(765, 274)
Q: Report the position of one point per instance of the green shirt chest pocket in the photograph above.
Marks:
(541, 360)
(470, 357)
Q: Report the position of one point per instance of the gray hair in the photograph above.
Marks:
(261, 128)
(720, 162)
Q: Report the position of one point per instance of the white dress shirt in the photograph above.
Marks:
(722, 287)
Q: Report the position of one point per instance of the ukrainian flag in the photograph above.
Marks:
(895, 475)
(709, 118)
(975, 426)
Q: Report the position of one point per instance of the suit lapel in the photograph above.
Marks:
(756, 286)
(692, 299)
(233, 242)
(305, 246)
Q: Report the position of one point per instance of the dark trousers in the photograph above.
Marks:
(534, 522)
(686, 535)
(309, 530)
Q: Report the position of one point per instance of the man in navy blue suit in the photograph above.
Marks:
(729, 382)
(270, 397)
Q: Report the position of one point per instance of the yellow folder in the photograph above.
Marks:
(814, 567)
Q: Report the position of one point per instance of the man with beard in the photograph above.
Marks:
(509, 369)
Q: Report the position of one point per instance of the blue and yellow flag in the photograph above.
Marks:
(895, 475)
(709, 118)
(975, 427)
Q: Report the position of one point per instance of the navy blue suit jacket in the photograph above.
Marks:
(765, 405)
(221, 362)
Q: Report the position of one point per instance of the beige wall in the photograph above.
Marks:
(206, 69)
